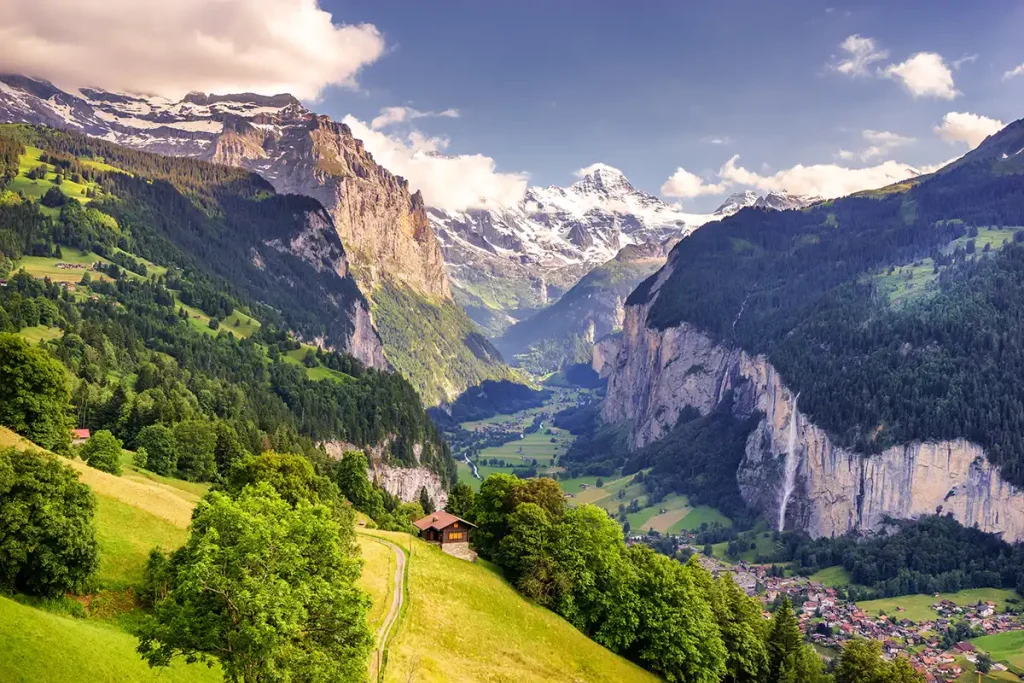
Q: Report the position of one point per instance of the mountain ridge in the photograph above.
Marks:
(392, 250)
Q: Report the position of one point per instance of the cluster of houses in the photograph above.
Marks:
(830, 620)
(61, 265)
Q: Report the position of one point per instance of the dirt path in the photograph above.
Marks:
(397, 600)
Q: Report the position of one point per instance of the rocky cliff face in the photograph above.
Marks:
(318, 245)
(383, 226)
(404, 482)
(657, 373)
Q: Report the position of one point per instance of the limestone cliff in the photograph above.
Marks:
(404, 482)
(657, 373)
(383, 227)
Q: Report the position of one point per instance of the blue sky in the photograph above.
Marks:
(548, 87)
(471, 100)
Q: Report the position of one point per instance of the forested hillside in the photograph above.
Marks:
(177, 321)
(896, 315)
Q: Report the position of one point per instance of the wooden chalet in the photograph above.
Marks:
(443, 527)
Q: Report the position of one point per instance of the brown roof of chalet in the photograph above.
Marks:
(439, 520)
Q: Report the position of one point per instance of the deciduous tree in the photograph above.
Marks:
(103, 451)
(34, 393)
(267, 589)
(47, 542)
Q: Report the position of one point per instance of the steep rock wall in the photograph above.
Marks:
(404, 482)
(658, 373)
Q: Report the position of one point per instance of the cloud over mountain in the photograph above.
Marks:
(169, 47)
(449, 182)
(686, 185)
(822, 180)
(966, 127)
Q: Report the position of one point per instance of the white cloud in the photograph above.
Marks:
(587, 170)
(169, 47)
(966, 59)
(881, 143)
(966, 127)
(861, 53)
(685, 185)
(822, 180)
(391, 115)
(454, 183)
(924, 75)
(1015, 71)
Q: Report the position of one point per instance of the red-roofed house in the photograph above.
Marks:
(448, 531)
(79, 436)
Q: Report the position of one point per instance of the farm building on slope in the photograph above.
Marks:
(449, 532)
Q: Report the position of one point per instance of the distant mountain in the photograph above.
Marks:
(506, 263)
(780, 201)
(392, 250)
(564, 333)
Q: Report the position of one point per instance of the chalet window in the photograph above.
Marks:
(455, 536)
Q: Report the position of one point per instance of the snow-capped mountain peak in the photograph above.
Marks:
(779, 201)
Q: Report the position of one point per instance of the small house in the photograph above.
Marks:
(79, 436)
(451, 533)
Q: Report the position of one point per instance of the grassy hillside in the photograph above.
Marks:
(40, 647)
(134, 514)
(465, 623)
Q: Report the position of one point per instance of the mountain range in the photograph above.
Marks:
(419, 267)
(392, 251)
(507, 263)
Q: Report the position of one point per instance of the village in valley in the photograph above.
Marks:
(933, 645)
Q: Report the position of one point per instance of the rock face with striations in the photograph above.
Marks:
(656, 373)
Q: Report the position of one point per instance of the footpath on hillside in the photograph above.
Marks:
(384, 632)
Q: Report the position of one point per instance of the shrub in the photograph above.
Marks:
(103, 451)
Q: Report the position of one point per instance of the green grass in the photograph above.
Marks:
(762, 546)
(919, 607)
(1004, 647)
(126, 535)
(377, 578)
(201, 321)
(41, 647)
(832, 576)
(702, 514)
(295, 357)
(39, 333)
(45, 266)
(34, 189)
(466, 623)
(650, 517)
(532, 446)
(914, 281)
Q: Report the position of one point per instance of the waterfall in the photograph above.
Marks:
(472, 465)
(791, 464)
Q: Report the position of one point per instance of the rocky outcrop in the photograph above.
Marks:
(659, 372)
(383, 227)
(404, 482)
(605, 351)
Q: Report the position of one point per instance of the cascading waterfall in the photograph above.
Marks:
(791, 464)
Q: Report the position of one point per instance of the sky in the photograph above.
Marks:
(473, 101)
